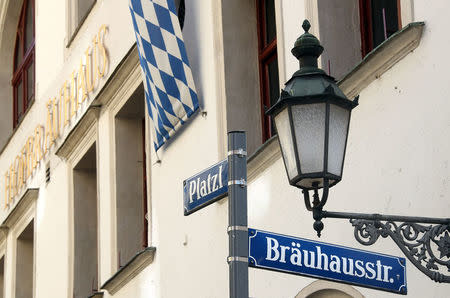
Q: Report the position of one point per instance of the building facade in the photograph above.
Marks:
(89, 208)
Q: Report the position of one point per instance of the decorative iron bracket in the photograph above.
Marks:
(425, 241)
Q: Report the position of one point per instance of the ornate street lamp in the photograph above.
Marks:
(312, 119)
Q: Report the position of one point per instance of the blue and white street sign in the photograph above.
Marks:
(206, 187)
(326, 261)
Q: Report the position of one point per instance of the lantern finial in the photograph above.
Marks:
(307, 50)
(306, 25)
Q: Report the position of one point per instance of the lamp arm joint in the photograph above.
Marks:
(425, 241)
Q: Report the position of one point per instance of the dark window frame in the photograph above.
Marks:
(21, 70)
(267, 52)
(366, 25)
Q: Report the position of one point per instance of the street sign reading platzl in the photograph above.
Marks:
(206, 187)
(326, 261)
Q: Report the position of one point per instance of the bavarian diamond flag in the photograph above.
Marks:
(169, 87)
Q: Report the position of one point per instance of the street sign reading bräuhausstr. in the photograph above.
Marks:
(326, 261)
(205, 187)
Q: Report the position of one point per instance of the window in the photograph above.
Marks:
(24, 262)
(85, 225)
(240, 105)
(268, 62)
(83, 8)
(379, 19)
(131, 186)
(23, 65)
(79, 10)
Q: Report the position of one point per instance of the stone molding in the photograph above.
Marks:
(381, 59)
(126, 273)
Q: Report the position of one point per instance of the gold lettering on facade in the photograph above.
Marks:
(7, 186)
(38, 143)
(73, 95)
(66, 104)
(81, 84)
(19, 176)
(23, 164)
(94, 57)
(102, 50)
(49, 141)
(90, 75)
(55, 117)
(12, 175)
(60, 110)
(30, 155)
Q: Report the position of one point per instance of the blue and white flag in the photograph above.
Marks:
(169, 87)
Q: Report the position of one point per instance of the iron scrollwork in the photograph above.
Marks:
(420, 243)
(425, 241)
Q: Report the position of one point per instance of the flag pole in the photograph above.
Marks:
(237, 215)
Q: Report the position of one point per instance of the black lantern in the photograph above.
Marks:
(312, 118)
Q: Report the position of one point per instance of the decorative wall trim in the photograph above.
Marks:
(263, 158)
(125, 79)
(24, 203)
(96, 295)
(381, 59)
(126, 273)
(323, 285)
(78, 134)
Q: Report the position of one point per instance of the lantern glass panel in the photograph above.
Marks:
(309, 125)
(283, 126)
(339, 120)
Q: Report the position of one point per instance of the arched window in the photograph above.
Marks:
(323, 289)
(23, 64)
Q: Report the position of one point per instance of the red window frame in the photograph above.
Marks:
(267, 52)
(365, 18)
(21, 70)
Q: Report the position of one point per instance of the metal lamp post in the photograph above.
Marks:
(312, 118)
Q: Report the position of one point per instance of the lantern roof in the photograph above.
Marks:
(309, 81)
